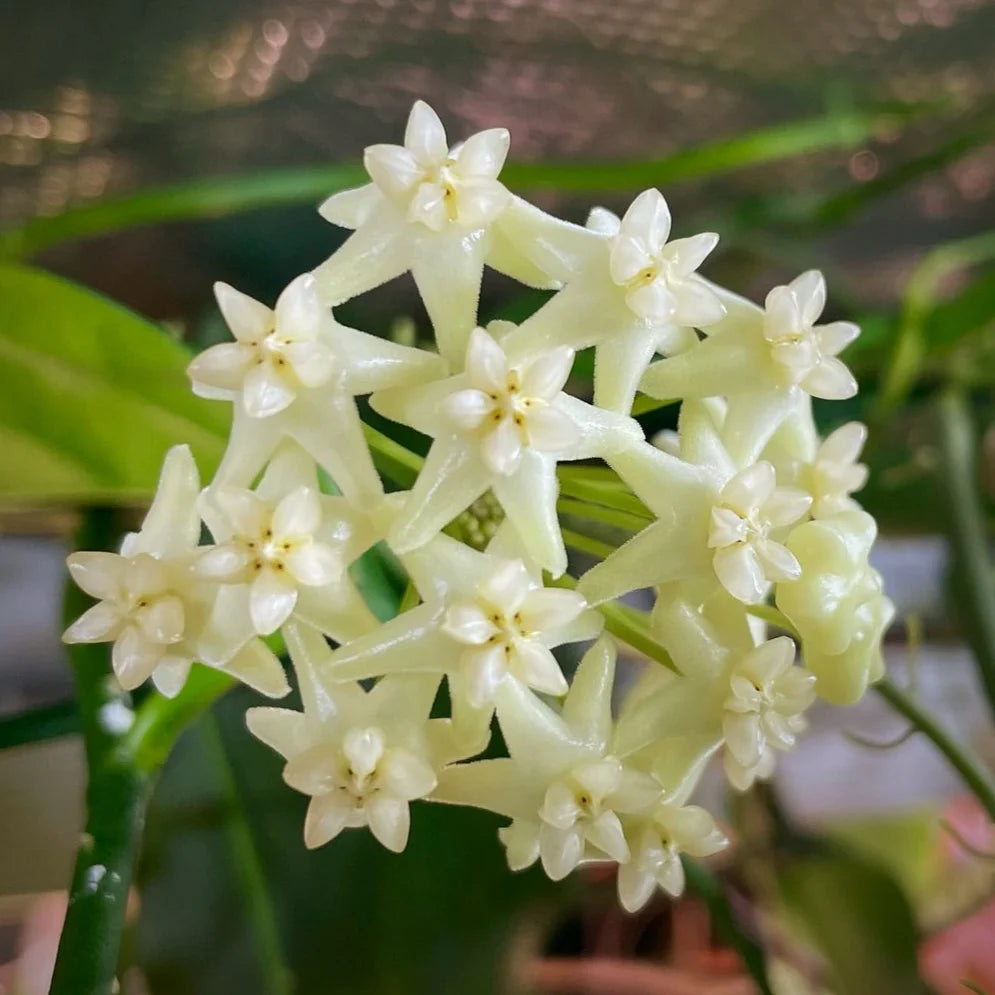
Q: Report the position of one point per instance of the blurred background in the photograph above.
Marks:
(149, 149)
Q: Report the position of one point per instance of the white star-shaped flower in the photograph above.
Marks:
(658, 842)
(158, 614)
(441, 213)
(764, 710)
(562, 787)
(747, 559)
(714, 521)
(730, 691)
(486, 621)
(835, 474)
(286, 547)
(838, 605)
(502, 425)
(763, 361)
(292, 373)
(361, 756)
(632, 294)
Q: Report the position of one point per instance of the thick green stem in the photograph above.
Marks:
(975, 775)
(966, 524)
(116, 797)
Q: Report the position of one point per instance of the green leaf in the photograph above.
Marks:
(859, 919)
(93, 396)
(220, 197)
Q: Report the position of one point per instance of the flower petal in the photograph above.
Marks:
(299, 311)
(313, 362)
(550, 430)
(327, 816)
(225, 562)
(314, 564)
(390, 821)
(408, 776)
(537, 667)
(785, 506)
(830, 380)
(560, 850)
(687, 254)
(749, 489)
(393, 169)
(271, 600)
(424, 135)
(101, 575)
(648, 220)
(163, 621)
(466, 622)
(222, 367)
(134, 658)
(428, 206)
(549, 608)
(98, 624)
(629, 257)
(298, 514)
(483, 154)
(486, 363)
(248, 319)
(501, 449)
(740, 573)
(265, 392)
(467, 409)
(545, 375)
(809, 290)
(607, 834)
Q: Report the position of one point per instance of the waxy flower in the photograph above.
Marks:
(362, 756)
(502, 425)
(747, 559)
(486, 621)
(632, 294)
(763, 712)
(292, 373)
(713, 522)
(763, 361)
(563, 789)
(286, 548)
(838, 605)
(441, 213)
(835, 474)
(153, 608)
(657, 845)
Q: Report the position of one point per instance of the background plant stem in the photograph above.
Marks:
(974, 773)
(967, 532)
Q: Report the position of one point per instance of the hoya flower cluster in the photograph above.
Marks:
(743, 504)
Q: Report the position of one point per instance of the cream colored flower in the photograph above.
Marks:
(486, 621)
(764, 710)
(563, 789)
(291, 373)
(502, 425)
(158, 614)
(658, 843)
(361, 756)
(747, 558)
(285, 548)
(838, 605)
(630, 293)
